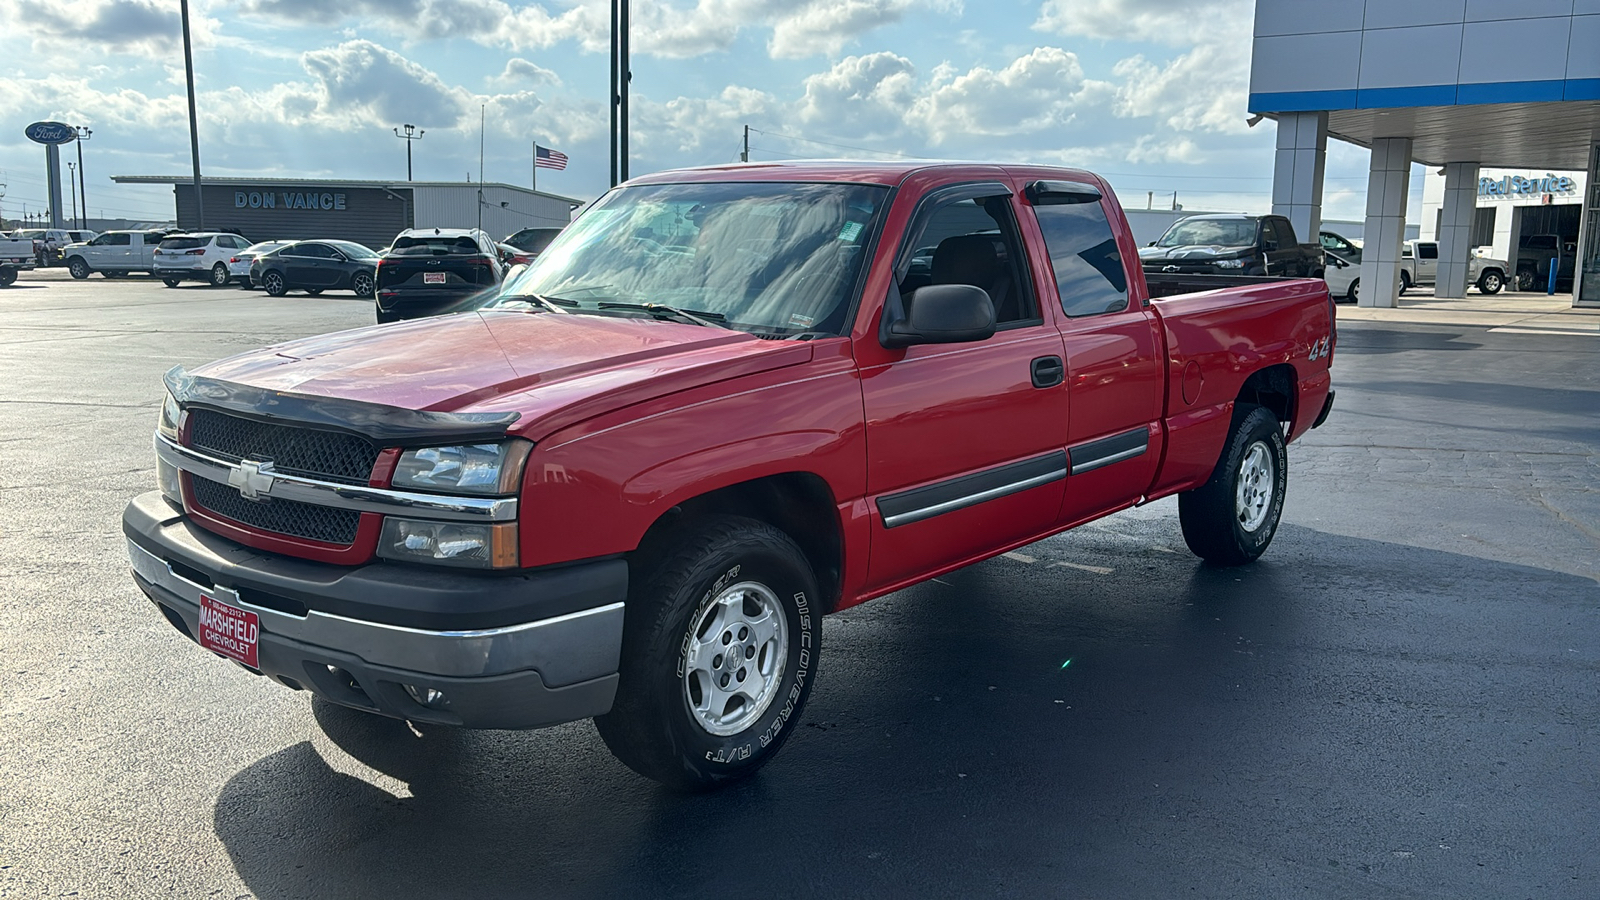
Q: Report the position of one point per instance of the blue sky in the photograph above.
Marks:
(1149, 92)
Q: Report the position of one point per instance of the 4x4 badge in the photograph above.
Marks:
(253, 479)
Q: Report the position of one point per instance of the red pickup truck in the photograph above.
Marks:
(722, 404)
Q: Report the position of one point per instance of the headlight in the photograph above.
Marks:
(468, 469)
(449, 543)
(1230, 263)
(167, 424)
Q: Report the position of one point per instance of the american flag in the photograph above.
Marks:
(545, 158)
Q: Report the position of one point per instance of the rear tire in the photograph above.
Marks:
(1491, 282)
(79, 269)
(171, 282)
(219, 275)
(362, 284)
(245, 283)
(719, 650)
(274, 284)
(314, 292)
(8, 276)
(1230, 520)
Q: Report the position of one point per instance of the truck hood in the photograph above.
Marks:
(553, 370)
(1190, 251)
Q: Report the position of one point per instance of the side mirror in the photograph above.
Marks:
(939, 314)
(337, 256)
(1151, 244)
(1269, 246)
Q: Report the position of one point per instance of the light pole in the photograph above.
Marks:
(194, 127)
(620, 79)
(72, 182)
(83, 190)
(413, 133)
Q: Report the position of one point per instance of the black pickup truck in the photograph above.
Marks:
(1232, 245)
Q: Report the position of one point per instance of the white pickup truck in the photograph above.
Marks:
(1419, 264)
(15, 254)
(114, 254)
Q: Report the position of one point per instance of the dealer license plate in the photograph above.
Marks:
(230, 631)
(433, 278)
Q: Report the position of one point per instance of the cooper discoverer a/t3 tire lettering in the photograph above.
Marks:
(1231, 518)
(719, 651)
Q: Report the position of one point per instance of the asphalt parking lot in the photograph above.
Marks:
(1399, 700)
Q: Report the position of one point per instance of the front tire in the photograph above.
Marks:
(79, 268)
(274, 284)
(8, 276)
(1490, 282)
(719, 651)
(313, 292)
(1231, 518)
(1405, 282)
(1354, 293)
(171, 282)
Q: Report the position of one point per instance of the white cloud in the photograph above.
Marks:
(362, 79)
(521, 71)
(1177, 22)
(1204, 89)
(149, 28)
(800, 28)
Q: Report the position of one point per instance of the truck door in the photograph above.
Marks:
(1114, 352)
(1427, 262)
(1279, 252)
(964, 441)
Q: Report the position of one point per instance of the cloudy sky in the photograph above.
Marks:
(1150, 93)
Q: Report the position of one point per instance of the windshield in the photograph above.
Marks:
(1220, 232)
(29, 233)
(533, 240)
(776, 258)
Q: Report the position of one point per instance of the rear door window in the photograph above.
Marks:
(1428, 251)
(1090, 276)
(435, 245)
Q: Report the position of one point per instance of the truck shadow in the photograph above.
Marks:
(1018, 728)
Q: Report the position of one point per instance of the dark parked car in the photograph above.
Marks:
(512, 255)
(1232, 245)
(532, 240)
(316, 266)
(429, 271)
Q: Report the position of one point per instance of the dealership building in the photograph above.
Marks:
(367, 212)
(1500, 97)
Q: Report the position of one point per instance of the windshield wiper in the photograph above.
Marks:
(554, 304)
(698, 317)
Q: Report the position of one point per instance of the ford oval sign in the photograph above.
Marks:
(51, 133)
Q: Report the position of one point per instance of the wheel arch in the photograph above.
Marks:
(800, 504)
(1274, 387)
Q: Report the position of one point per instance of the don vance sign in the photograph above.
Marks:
(288, 200)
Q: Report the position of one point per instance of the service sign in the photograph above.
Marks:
(50, 133)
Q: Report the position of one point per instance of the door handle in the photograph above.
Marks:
(1048, 371)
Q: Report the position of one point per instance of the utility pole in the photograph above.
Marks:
(745, 156)
(620, 78)
(83, 190)
(413, 133)
(72, 182)
(194, 126)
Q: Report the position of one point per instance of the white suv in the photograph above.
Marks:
(203, 257)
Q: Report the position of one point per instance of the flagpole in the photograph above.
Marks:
(536, 165)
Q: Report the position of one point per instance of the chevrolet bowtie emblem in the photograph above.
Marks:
(253, 479)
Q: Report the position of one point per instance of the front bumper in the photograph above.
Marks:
(541, 669)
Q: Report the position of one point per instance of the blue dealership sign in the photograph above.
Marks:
(51, 133)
